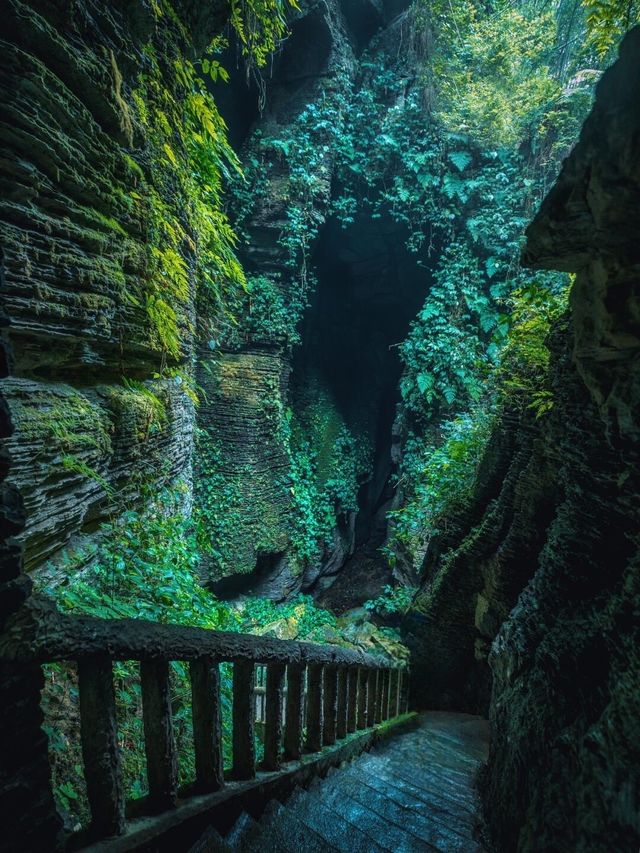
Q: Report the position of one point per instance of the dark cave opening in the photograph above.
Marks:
(370, 288)
(256, 583)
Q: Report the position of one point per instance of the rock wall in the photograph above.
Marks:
(532, 607)
(99, 262)
(28, 811)
(284, 212)
(102, 246)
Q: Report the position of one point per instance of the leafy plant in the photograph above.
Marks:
(393, 600)
(438, 476)
(522, 375)
(608, 21)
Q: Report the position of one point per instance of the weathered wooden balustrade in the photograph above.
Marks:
(314, 696)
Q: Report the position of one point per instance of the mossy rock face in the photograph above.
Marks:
(100, 262)
(99, 229)
(257, 487)
(241, 468)
(77, 455)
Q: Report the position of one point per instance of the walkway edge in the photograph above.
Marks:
(180, 828)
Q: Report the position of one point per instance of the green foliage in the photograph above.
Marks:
(233, 522)
(438, 476)
(178, 178)
(444, 353)
(260, 25)
(300, 617)
(327, 463)
(72, 463)
(193, 242)
(462, 158)
(156, 405)
(492, 68)
(608, 21)
(523, 374)
(66, 419)
(303, 149)
(270, 309)
(145, 567)
(393, 600)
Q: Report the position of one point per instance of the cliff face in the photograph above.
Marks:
(294, 396)
(534, 601)
(99, 257)
(242, 445)
(106, 242)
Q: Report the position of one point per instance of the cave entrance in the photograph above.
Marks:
(369, 290)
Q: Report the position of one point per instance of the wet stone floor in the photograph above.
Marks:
(414, 792)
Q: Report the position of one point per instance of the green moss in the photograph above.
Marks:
(63, 418)
(72, 463)
(106, 222)
(234, 521)
(327, 463)
(141, 406)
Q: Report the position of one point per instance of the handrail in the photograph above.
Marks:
(40, 633)
(314, 695)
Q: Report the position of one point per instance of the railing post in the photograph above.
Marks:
(398, 691)
(314, 707)
(243, 716)
(273, 716)
(379, 696)
(363, 690)
(207, 724)
(330, 700)
(352, 698)
(403, 691)
(372, 696)
(386, 687)
(100, 746)
(393, 692)
(406, 691)
(159, 743)
(341, 722)
(294, 712)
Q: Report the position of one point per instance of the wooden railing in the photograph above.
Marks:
(314, 696)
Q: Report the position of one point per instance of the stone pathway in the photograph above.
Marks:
(415, 792)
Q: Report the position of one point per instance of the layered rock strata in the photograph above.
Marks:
(85, 198)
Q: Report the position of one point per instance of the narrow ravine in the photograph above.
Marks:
(319, 322)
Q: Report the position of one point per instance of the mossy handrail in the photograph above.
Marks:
(315, 696)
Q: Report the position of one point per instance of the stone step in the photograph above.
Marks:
(427, 797)
(445, 755)
(211, 842)
(371, 818)
(283, 832)
(243, 832)
(329, 824)
(433, 777)
(444, 830)
(412, 794)
(419, 832)
(433, 781)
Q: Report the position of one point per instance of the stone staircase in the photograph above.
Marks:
(414, 792)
